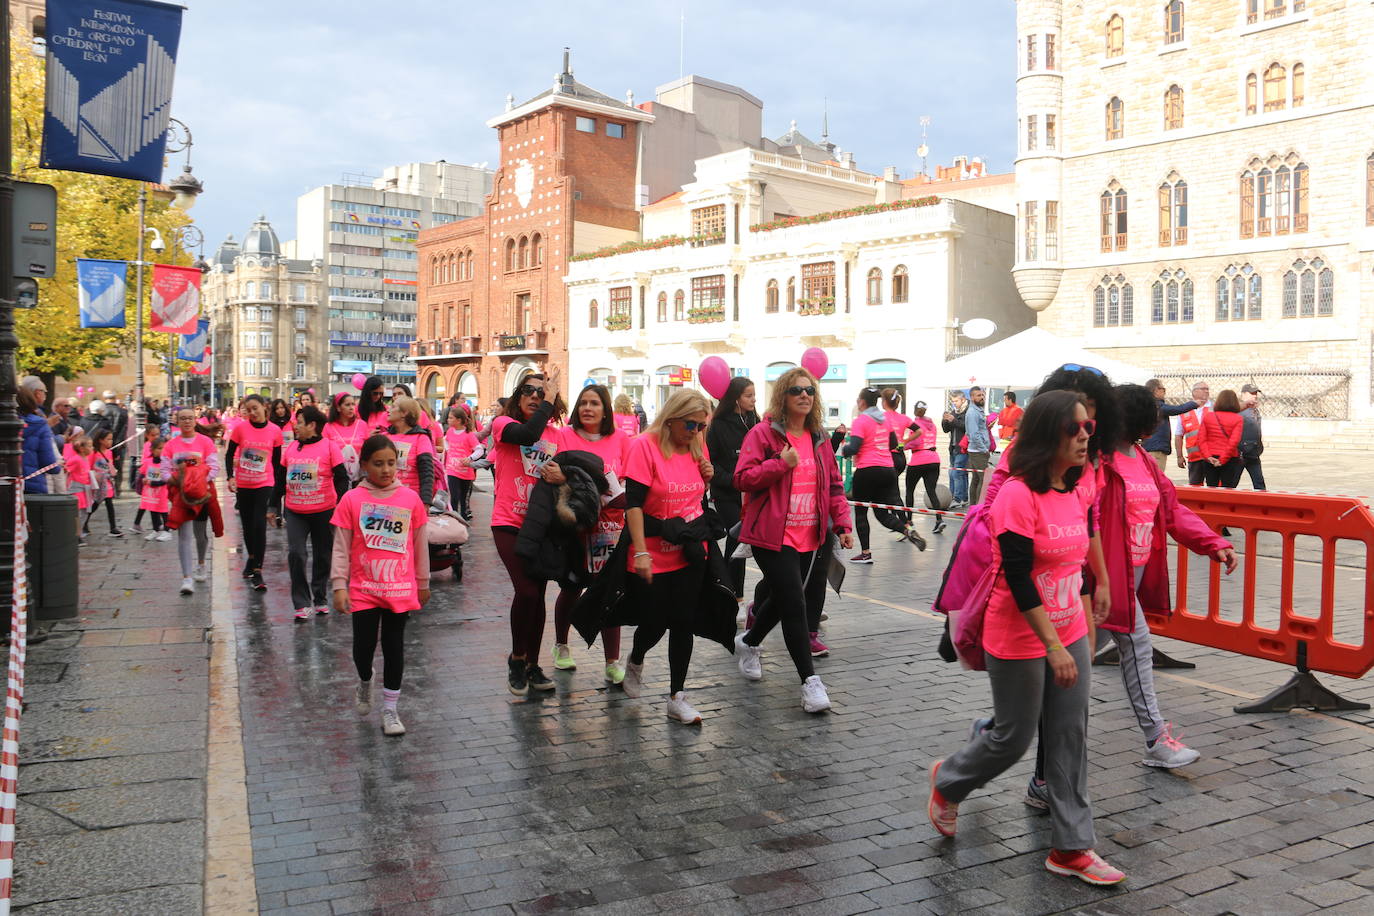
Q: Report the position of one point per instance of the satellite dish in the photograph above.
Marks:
(978, 328)
(922, 150)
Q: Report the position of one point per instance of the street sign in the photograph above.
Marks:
(25, 293)
(34, 229)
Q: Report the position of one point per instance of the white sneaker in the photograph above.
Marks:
(814, 697)
(680, 709)
(1169, 752)
(150, 536)
(187, 587)
(750, 659)
(633, 684)
(363, 698)
(201, 573)
(741, 616)
(391, 723)
(164, 535)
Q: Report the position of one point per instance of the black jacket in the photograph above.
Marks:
(723, 440)
(955, 427)
(1159, 440)
(550, 540)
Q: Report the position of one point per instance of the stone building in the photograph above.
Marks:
(267, 314)
(1195, 195)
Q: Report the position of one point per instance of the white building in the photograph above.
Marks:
(766, 255)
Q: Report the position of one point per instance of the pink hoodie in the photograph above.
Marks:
(761, 473)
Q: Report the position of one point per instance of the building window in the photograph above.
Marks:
(1275, 87)
(621, 298)
(1032, 122)
(1113, 303)
(1051, 230)
(1049, 52)
(679, 306)
(1309, 290)
(1116, 119)
(818, 287)
(791, 294)
(1113, 218)
(300, 343)
(265, 340)
(510, 255)
(1369, 190)
(301, 318)
(1173, 22)
(523, 257)
(250, 367)
(467, 319)
(300, 368)
(708, 298)
(265, 366)
(1171, 299)
(250, 339)
(1299, 84)
(1049, 132)
(662, 313)
(1274, 197)
(586, 125)
(1173, 108)
(537, 250)
(1030, 52)
(770, 297)
(1173, 211)
(900, 285)
(615, 130)
(250, 313)
(1251, 94)
(1116, 36)
(1238, 294)
(708, 225)
(1032, 219)
(250, 290)
(874, 295)
(593, 312)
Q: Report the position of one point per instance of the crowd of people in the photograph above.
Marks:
(1061, 539)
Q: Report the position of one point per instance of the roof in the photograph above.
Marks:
(794, 137)
(569, 92)
(261, 240)
(664, 201)
(582, 94)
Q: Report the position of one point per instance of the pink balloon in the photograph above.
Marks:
(714, 375)
(815, 361)
(311, 390)
(359, 380)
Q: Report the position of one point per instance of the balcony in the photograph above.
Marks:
(528, 343)
(819, 305)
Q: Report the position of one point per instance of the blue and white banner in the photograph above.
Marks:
(110, 70)
(193, 346)
(102, 287)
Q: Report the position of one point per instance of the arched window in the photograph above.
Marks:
(770, 297)
(1238, 294)
(1251, 93)
(1299, 84)
(1309, 290)
(524, 258)
(510, 254)
(537, 250)
(1275, 87)
(1173, 108)
(1171, 298)
(1116, 119)
(434, 271)
(1173, 211)
(1116, 36)
(1274, 197)
(1113, 227)
(1113, 303)
(593, 312)
(1369, 190)
(875, 287)
(900, 287)
(679, 305)
(791, 294)
(1173, 22)
(662, 307)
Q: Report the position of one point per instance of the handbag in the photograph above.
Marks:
(966, 623)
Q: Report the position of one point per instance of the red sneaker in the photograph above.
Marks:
(942, 813)
(1085, 865)
(818, 648)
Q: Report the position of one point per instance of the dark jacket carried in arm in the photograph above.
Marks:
(550, 541)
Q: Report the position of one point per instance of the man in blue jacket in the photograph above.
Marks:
(979, 443)
(1158, 443)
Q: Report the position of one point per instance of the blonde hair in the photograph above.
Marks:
(409, 408)
(623, 404)
(777, 403)
(682, 404)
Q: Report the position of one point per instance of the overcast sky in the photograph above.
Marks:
(286, 95)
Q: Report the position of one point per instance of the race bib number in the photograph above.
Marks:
(253, 461)
(303, 477)
(534, 457)
(403, 454)
(600, 546)
(157, 475)
(385, 527)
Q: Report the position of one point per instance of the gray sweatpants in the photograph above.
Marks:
(184, 534)
(1138, 671)
(1023, 696)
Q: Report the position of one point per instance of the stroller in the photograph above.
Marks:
(446, 533)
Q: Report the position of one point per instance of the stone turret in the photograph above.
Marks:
(1040, 150)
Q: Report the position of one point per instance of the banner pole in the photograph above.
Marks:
(11, 466)
(139, 416)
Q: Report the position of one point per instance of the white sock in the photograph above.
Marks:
(389, 698)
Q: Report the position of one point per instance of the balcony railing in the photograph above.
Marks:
(705, 314)
(530, 340)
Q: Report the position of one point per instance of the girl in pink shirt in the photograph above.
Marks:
(153, 474)
(347, 431)
(1035, 637)
(592, 430)
(77, 456)
(460, 442)
(254, 452)
(371, 407)
(313, 480)
(102, 467)
(923, 466)
(623, 416)
(380, 572)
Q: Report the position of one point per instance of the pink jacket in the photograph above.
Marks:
(1172, 518)
(761, 473)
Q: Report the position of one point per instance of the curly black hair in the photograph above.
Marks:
(1094, 385)
(1139, 411)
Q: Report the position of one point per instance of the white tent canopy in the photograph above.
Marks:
(1023, 360)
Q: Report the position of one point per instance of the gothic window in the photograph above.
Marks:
(1173, 22)
(1113, 303)
(1251, 93)
(1274, 197)
(1173, 108)
(1051, 230)
(1308, 290)
(900, 286)
(1116, 118)
(1171, 298)
(1238, 294)
(875, 289)
(1116, 36)
(1173, 211)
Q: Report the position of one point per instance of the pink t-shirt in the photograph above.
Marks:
(310, 475)
(923, 445)
(459, 444)
(675, 491)
(253, 460)
(1057, 523)
(803, 531)
(873, 452)
(898, 423)
(517, 469)
(154, 498)
(613, 450)
(409, 447)
(627, 423)
(379, 422)
(102, 470)
(1142, 499)
(381, 561)
(200, 447)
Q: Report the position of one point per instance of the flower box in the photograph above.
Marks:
(790, 221)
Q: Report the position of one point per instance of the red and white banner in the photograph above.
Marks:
(176, 299)
(202, 367)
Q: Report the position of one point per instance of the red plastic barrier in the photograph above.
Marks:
(1305, 636)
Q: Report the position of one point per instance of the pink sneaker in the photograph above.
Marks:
(943, 814)
(302, 613)
(1085, 865)
(818, 648)
(322, 609)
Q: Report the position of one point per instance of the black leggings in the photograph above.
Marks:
(1226, 475)
(728, 508)
(109, 514)
(876, 485)
(527, 608)
(252, 505)
(785, 595)
(159, 518)
(929, 474)
(366, 624)
(672, 596)
(459, 495)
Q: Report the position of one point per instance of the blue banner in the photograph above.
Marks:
(102, 288)
(110, 70)
(193, 346)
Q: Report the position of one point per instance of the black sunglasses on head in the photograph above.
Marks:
(795, 390)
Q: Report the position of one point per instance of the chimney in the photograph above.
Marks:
(847, 160)
(565, 79)
(890, 173)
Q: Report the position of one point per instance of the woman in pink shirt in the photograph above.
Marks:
(460, 442)
(796, 504)
(254, 451)
(314, 478)
(923, 466)
(346, 431)
(869, 443)
(415, 464)
(625, 419)
(1035, 637)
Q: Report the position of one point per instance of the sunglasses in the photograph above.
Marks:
(692, 426)
(529, 391)
(1072, 427)
(1075, 367)
(808, 390)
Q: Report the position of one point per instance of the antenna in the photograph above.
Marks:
(923, 150)
(681, 42)
(825, 121)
